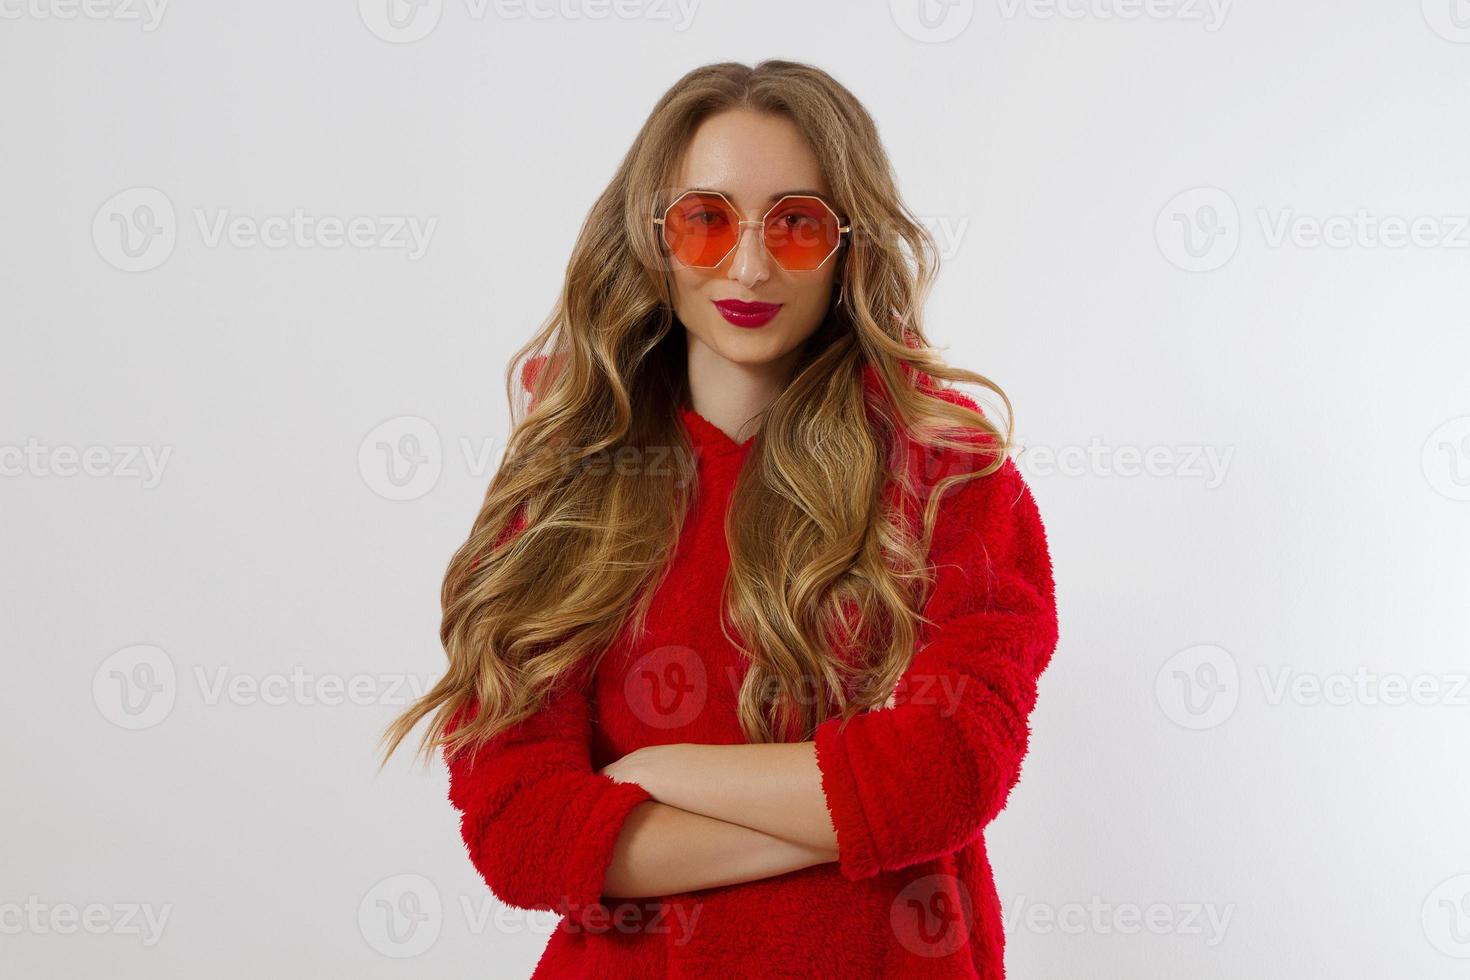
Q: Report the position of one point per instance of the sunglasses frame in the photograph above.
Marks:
(842, 229)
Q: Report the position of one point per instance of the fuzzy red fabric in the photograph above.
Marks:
(911, 786)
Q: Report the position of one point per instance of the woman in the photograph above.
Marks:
(744, 640)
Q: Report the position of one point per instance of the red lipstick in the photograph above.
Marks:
(747, 314)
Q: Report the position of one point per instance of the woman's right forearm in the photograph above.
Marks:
(663, 850)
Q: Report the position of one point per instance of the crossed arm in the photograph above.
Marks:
(721, 814)
(879, 791)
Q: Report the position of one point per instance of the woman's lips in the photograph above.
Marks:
(747, 314)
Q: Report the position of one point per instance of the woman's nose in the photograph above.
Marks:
(752, 262)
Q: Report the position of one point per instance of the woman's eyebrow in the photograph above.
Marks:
(770, 200)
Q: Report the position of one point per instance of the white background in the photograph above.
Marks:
(1249, 753)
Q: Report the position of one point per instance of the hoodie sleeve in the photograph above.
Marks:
(538, 821)
(922, 778)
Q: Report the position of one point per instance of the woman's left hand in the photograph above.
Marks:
(642, 766)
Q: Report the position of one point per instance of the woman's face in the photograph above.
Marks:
(754, 159)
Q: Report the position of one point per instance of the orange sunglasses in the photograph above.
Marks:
(800, 231)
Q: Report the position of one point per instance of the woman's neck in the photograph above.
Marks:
(732, 395)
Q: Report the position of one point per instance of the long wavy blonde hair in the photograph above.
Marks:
(817, 551)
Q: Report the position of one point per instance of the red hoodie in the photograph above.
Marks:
(911, 786)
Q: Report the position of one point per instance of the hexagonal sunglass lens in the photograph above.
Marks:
(801, 232)
(701, 229)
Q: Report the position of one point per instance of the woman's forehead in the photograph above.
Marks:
(753, 159)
